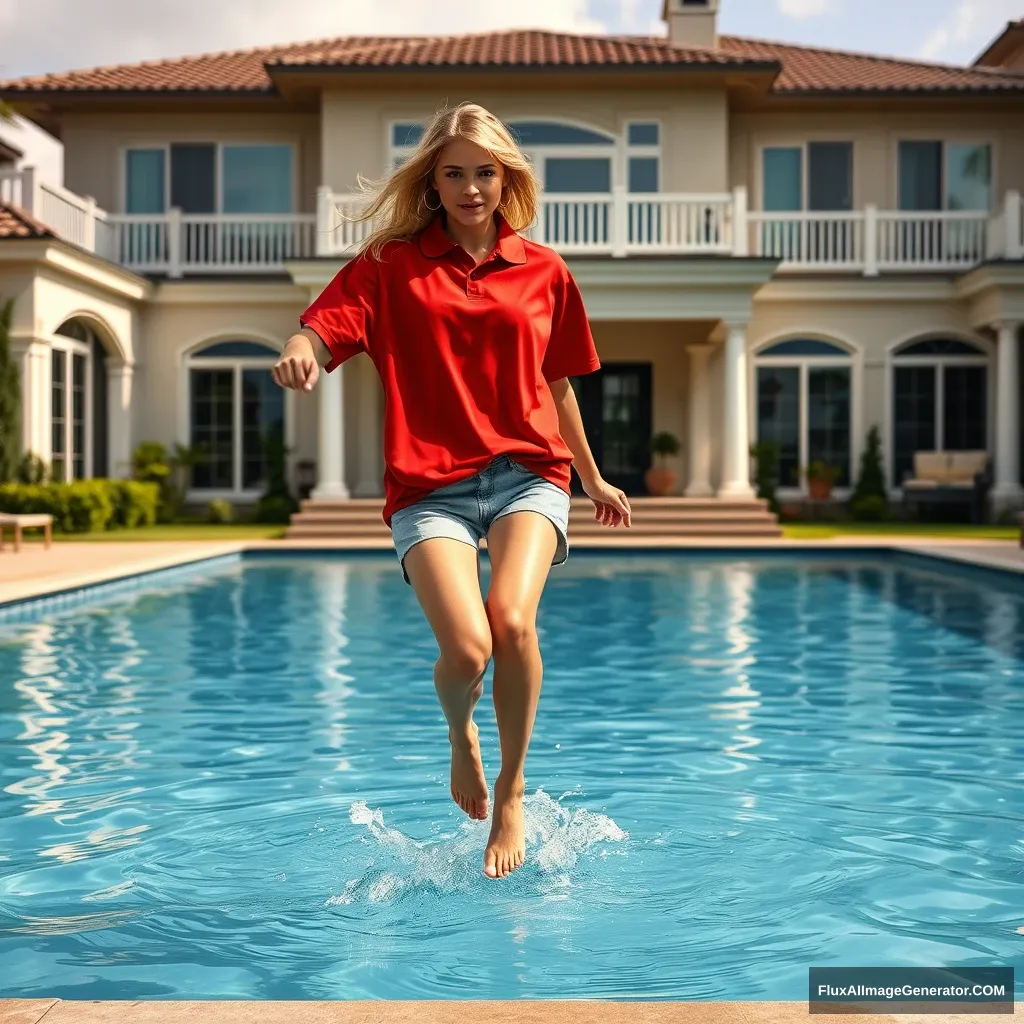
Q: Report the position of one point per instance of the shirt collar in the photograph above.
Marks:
(434, 241)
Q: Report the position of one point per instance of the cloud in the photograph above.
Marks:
(125, 31)
(803, 8)
(969, 26)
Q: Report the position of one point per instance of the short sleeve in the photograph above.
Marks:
(571, 350)
(343, 314)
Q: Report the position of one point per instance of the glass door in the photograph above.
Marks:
(615, 404)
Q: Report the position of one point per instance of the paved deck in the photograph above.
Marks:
(34, 571)
(56, 1011)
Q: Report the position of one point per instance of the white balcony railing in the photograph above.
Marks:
(615, 224)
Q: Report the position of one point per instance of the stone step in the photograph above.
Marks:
(376, 505)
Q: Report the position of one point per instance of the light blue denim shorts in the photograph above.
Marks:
(465, 510)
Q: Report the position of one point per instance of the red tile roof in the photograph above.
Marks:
(16, 223)
(809, 70)
(803, 70)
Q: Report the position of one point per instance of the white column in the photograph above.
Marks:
(370, 483)
(34, 364)
(700, 436)
(330, 459)
(119, 420)
(1006, 492)
(735, 482)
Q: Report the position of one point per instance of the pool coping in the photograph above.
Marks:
(998, 556)
(63, 1011)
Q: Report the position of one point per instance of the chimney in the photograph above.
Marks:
(692, 22)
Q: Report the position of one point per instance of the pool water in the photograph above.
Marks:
(232, 782)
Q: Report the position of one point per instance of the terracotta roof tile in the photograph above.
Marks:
(804, 70)
(246, 70)
(16, 223)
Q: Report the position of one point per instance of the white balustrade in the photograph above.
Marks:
(615, 224)
(940, 240)
(810, 240)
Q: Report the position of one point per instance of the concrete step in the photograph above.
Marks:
(376, 505)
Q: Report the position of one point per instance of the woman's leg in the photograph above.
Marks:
(444, 574)
(521, 546)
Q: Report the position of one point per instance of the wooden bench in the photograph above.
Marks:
(27, 521)
(949, 477)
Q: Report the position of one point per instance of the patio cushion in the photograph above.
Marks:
(964, 465)
(931, 466)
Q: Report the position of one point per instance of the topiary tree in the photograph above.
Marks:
(10, 401)
(869, 500)
(766, 456)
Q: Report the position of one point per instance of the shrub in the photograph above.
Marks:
(766, 454)
(220, 511)
(84, 505)
(10, 399)
(275, 508)
(872, 508)
(135, 503)
(32, 469)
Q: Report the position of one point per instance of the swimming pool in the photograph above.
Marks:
(232, 782)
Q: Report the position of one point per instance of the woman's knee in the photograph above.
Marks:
(511, 625)
(466, 657)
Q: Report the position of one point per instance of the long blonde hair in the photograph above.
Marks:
(398, 203)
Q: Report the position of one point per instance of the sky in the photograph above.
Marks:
(57, 35)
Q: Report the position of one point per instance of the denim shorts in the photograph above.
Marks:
(465, 510)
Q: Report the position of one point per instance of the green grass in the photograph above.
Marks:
(963, 531)
(181, 531)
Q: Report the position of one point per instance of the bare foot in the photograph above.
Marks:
(506, 845)
(469, 784)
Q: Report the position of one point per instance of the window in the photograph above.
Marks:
(207, 177)
(235, 412)
(804, 405)
(827, 167)
(940, 400)
(815, 177)
(71, 393)
(944, 175)
(936, 176)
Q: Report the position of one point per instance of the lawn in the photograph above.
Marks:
(182, 531)
(965, 531)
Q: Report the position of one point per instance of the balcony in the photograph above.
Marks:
(614, 225)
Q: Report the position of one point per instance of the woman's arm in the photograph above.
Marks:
(300, 362)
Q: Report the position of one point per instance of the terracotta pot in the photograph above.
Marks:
(659, 481)
(819, 490)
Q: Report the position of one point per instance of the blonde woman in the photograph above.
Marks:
(474, 332)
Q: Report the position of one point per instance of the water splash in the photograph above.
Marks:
(556, 837)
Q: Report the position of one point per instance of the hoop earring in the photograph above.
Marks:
(433, 209)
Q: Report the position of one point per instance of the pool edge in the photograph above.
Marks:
(62, 1011)
(963, 554)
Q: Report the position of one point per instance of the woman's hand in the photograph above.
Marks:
(297, 368)
(611, 506)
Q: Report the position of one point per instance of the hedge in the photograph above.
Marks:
(85, 505)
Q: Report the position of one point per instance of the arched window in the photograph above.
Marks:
(804, 405)
(940, 400)
(569, 157)
(235, 408)
(78, 403)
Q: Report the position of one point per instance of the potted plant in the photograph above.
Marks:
(660, 479)
(820, 478)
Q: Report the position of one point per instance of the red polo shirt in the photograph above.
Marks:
(463, 352)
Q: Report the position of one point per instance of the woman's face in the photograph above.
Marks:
(468, 180)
